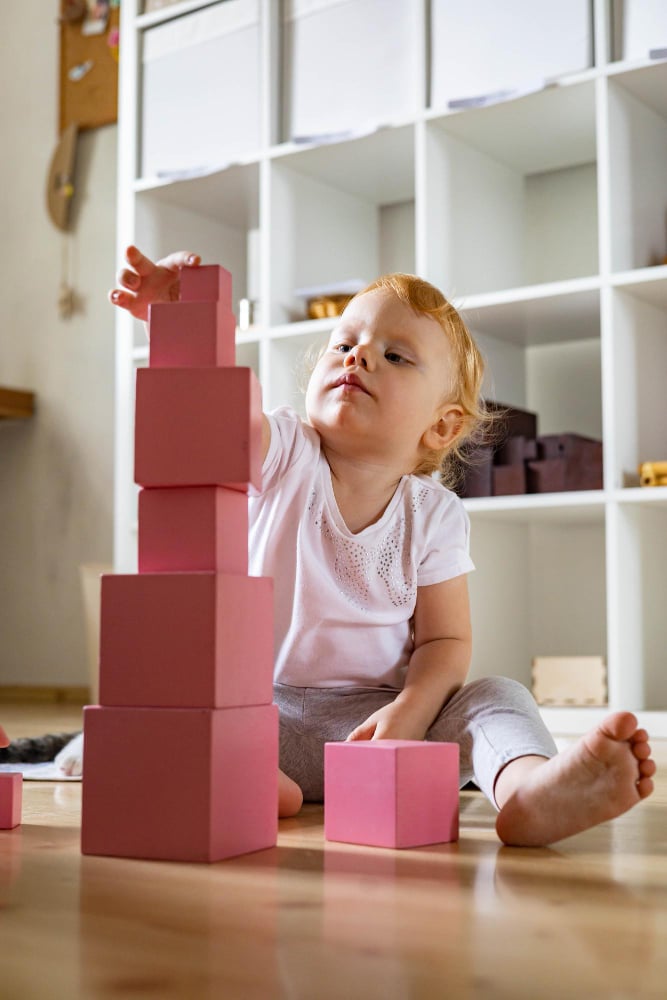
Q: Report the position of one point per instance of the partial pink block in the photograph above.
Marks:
(186, 639)
(180, 784)
(198, 427)
(207, 283)
(11, 797)
(191, 335)
(192, 528)
(391, 793)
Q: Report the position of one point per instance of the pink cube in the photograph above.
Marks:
(186, 639)
(391, 793)
(192, 335)
(193, 528)
(11, 797)
(198, 427)
(207, 283)
(180, 784)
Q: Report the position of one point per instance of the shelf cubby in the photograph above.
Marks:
(638, 179)
(639, 366)
(515, 186)
(521, 605)
(334, 215)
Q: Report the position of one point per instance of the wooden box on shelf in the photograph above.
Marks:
(569, 680)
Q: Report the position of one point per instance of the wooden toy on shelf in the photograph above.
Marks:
(519, 461)
(653, 474)
(569, 680)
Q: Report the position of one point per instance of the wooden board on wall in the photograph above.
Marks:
(92, 100)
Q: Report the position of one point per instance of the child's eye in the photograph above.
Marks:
(394, 358)
(342, 348)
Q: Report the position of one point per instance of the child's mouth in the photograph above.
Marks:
(350, 383)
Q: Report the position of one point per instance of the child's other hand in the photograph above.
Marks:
(145, 282)
(389, 723)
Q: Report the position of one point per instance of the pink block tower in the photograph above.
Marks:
(181, 754)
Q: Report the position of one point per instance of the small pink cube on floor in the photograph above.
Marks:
(391, 793)
(11, 796)
(207, 283)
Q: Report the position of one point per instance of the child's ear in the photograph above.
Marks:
(445, 430)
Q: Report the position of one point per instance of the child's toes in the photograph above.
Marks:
(644, 787)
(642, 751)
(647, 768)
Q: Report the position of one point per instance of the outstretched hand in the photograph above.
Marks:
(145, 282)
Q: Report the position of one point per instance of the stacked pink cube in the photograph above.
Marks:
(181, 755)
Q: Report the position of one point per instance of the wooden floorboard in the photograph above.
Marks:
(312, 920)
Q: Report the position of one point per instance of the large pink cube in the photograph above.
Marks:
(186, 639)
(198, 427)
(391, 793)
(11, 796)
(193, 528)
(180, 784)
(207, 283)
(191, 335)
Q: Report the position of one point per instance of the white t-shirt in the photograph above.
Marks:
(344, 601)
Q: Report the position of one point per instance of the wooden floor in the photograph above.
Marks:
(312, 920)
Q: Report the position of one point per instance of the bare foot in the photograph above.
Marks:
(603, 775)
(290, 796)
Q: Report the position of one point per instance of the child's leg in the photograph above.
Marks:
(603, 775)
(494, 720)
(310, 717)
(543, 796)
(290, 796)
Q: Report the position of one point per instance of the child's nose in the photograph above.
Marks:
(359, 355)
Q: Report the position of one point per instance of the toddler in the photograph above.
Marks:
(370, 560)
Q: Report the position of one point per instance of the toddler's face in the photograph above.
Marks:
(382, 384)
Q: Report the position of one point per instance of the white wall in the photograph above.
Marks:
(56, 469)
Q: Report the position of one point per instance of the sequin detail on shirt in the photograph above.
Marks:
(356, 566)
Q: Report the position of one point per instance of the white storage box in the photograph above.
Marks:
(482, 47)
(643, 27)
(349, 65)
(201, 93)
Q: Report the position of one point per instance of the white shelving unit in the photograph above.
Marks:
(544, 219)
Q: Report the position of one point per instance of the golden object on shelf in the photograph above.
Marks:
(653, 474)
(323, 308)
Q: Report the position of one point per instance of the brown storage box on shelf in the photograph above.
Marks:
(509, 480)
(566, 462)
(512, 441)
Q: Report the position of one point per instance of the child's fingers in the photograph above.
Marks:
(362, 732)
(126, 300)
(181, 258)
(141, 264)
(128, 279)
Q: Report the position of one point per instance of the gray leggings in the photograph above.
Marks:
(494, 720)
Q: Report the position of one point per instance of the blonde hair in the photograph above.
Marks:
(426, 300)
